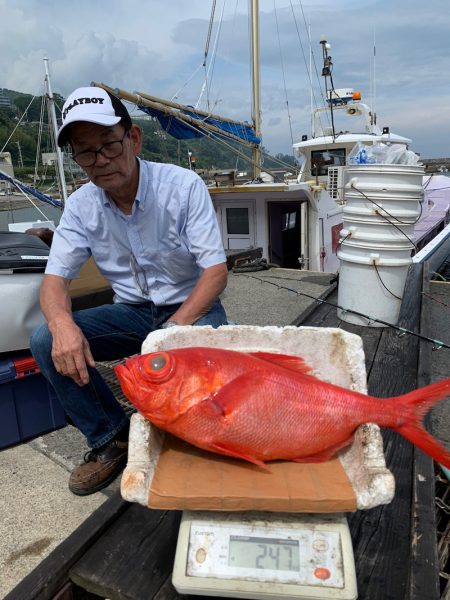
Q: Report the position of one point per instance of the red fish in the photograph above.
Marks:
(261, 406)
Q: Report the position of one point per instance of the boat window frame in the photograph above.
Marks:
(323, 169)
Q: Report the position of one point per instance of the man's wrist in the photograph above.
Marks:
(59, 321)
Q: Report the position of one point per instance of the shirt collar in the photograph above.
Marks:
(140, 194)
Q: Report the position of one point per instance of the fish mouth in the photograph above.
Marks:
(127, 381)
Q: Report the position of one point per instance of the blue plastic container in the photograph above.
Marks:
(28, 404)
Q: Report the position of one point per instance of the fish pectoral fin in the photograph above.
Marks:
(230, 451)
(293, 363)
(324, 455)
(232, 395)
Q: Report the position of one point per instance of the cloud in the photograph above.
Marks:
(158, 47)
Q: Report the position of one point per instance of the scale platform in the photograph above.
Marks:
(265, 556)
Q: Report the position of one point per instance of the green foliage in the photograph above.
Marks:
(34, 108)
(158, 146)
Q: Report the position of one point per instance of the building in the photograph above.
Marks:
(5, 102)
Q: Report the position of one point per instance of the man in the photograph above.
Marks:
(153, 234)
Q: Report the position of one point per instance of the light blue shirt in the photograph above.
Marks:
(158, 252)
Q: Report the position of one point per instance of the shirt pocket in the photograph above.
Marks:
(178, 265)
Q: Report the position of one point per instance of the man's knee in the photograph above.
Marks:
(40, 341)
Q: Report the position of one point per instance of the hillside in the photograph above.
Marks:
(157, 144)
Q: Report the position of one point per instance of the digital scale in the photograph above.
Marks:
(265, 556)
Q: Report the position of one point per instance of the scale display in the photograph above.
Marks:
(280, 556)
(263, 553)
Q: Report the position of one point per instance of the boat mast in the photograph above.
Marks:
(256, 88)
(59, 156)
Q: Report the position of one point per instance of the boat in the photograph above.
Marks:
(296, 223)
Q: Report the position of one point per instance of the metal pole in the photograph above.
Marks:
(59, 156)
(256, 86)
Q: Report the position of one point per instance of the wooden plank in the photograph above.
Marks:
(133, 558)
(371, 340)
(390, 547)
(322, 315)
(424, 564)
(51, 575)
(383, 552)
(395, 367)
(325, 315)
(330, 291)
(168, 592)
(381, 536)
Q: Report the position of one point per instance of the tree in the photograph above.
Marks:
(34, 110)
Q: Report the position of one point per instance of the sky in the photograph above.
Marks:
(395, 52)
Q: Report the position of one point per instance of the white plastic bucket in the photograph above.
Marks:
(373, 232)
(382, 205)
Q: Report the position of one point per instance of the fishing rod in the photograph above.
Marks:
(403, 330)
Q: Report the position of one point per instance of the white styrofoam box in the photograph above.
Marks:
(334, 355)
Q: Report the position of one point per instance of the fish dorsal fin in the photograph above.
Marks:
(293, 363)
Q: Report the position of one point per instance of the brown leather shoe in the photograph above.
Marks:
(99, 469)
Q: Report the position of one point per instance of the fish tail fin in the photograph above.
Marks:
(415, 405)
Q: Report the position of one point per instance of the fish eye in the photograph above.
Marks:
(158, 362)
(158, 365)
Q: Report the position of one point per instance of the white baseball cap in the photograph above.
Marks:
(94, 105)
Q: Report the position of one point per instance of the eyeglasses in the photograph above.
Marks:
(87, 158)
(138, 275)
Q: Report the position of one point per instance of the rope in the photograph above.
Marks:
(284, 76)
(392, 217)
(207, 84)
(39, 141)
(30, 200)
(403, 330)
(386, 211)
(435, 299)
(340, 242)
(305, 61)
(18, 123)
(208, 37)
(382, 282)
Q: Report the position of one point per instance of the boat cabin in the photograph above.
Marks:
(336, 130)
(283, 219)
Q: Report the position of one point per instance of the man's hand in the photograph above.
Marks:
(70, 352)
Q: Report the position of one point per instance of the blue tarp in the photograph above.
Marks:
(30, 190)
(182, 131)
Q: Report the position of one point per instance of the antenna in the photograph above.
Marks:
(310, 76)
(374, 83)
(327, 72)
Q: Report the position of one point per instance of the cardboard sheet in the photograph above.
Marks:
(220, 483)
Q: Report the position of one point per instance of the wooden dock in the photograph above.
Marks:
(125, 551)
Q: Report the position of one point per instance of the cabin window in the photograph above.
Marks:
(289, 220)
(237, 221)
(322, 159)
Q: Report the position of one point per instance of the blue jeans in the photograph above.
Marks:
(113, 331)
